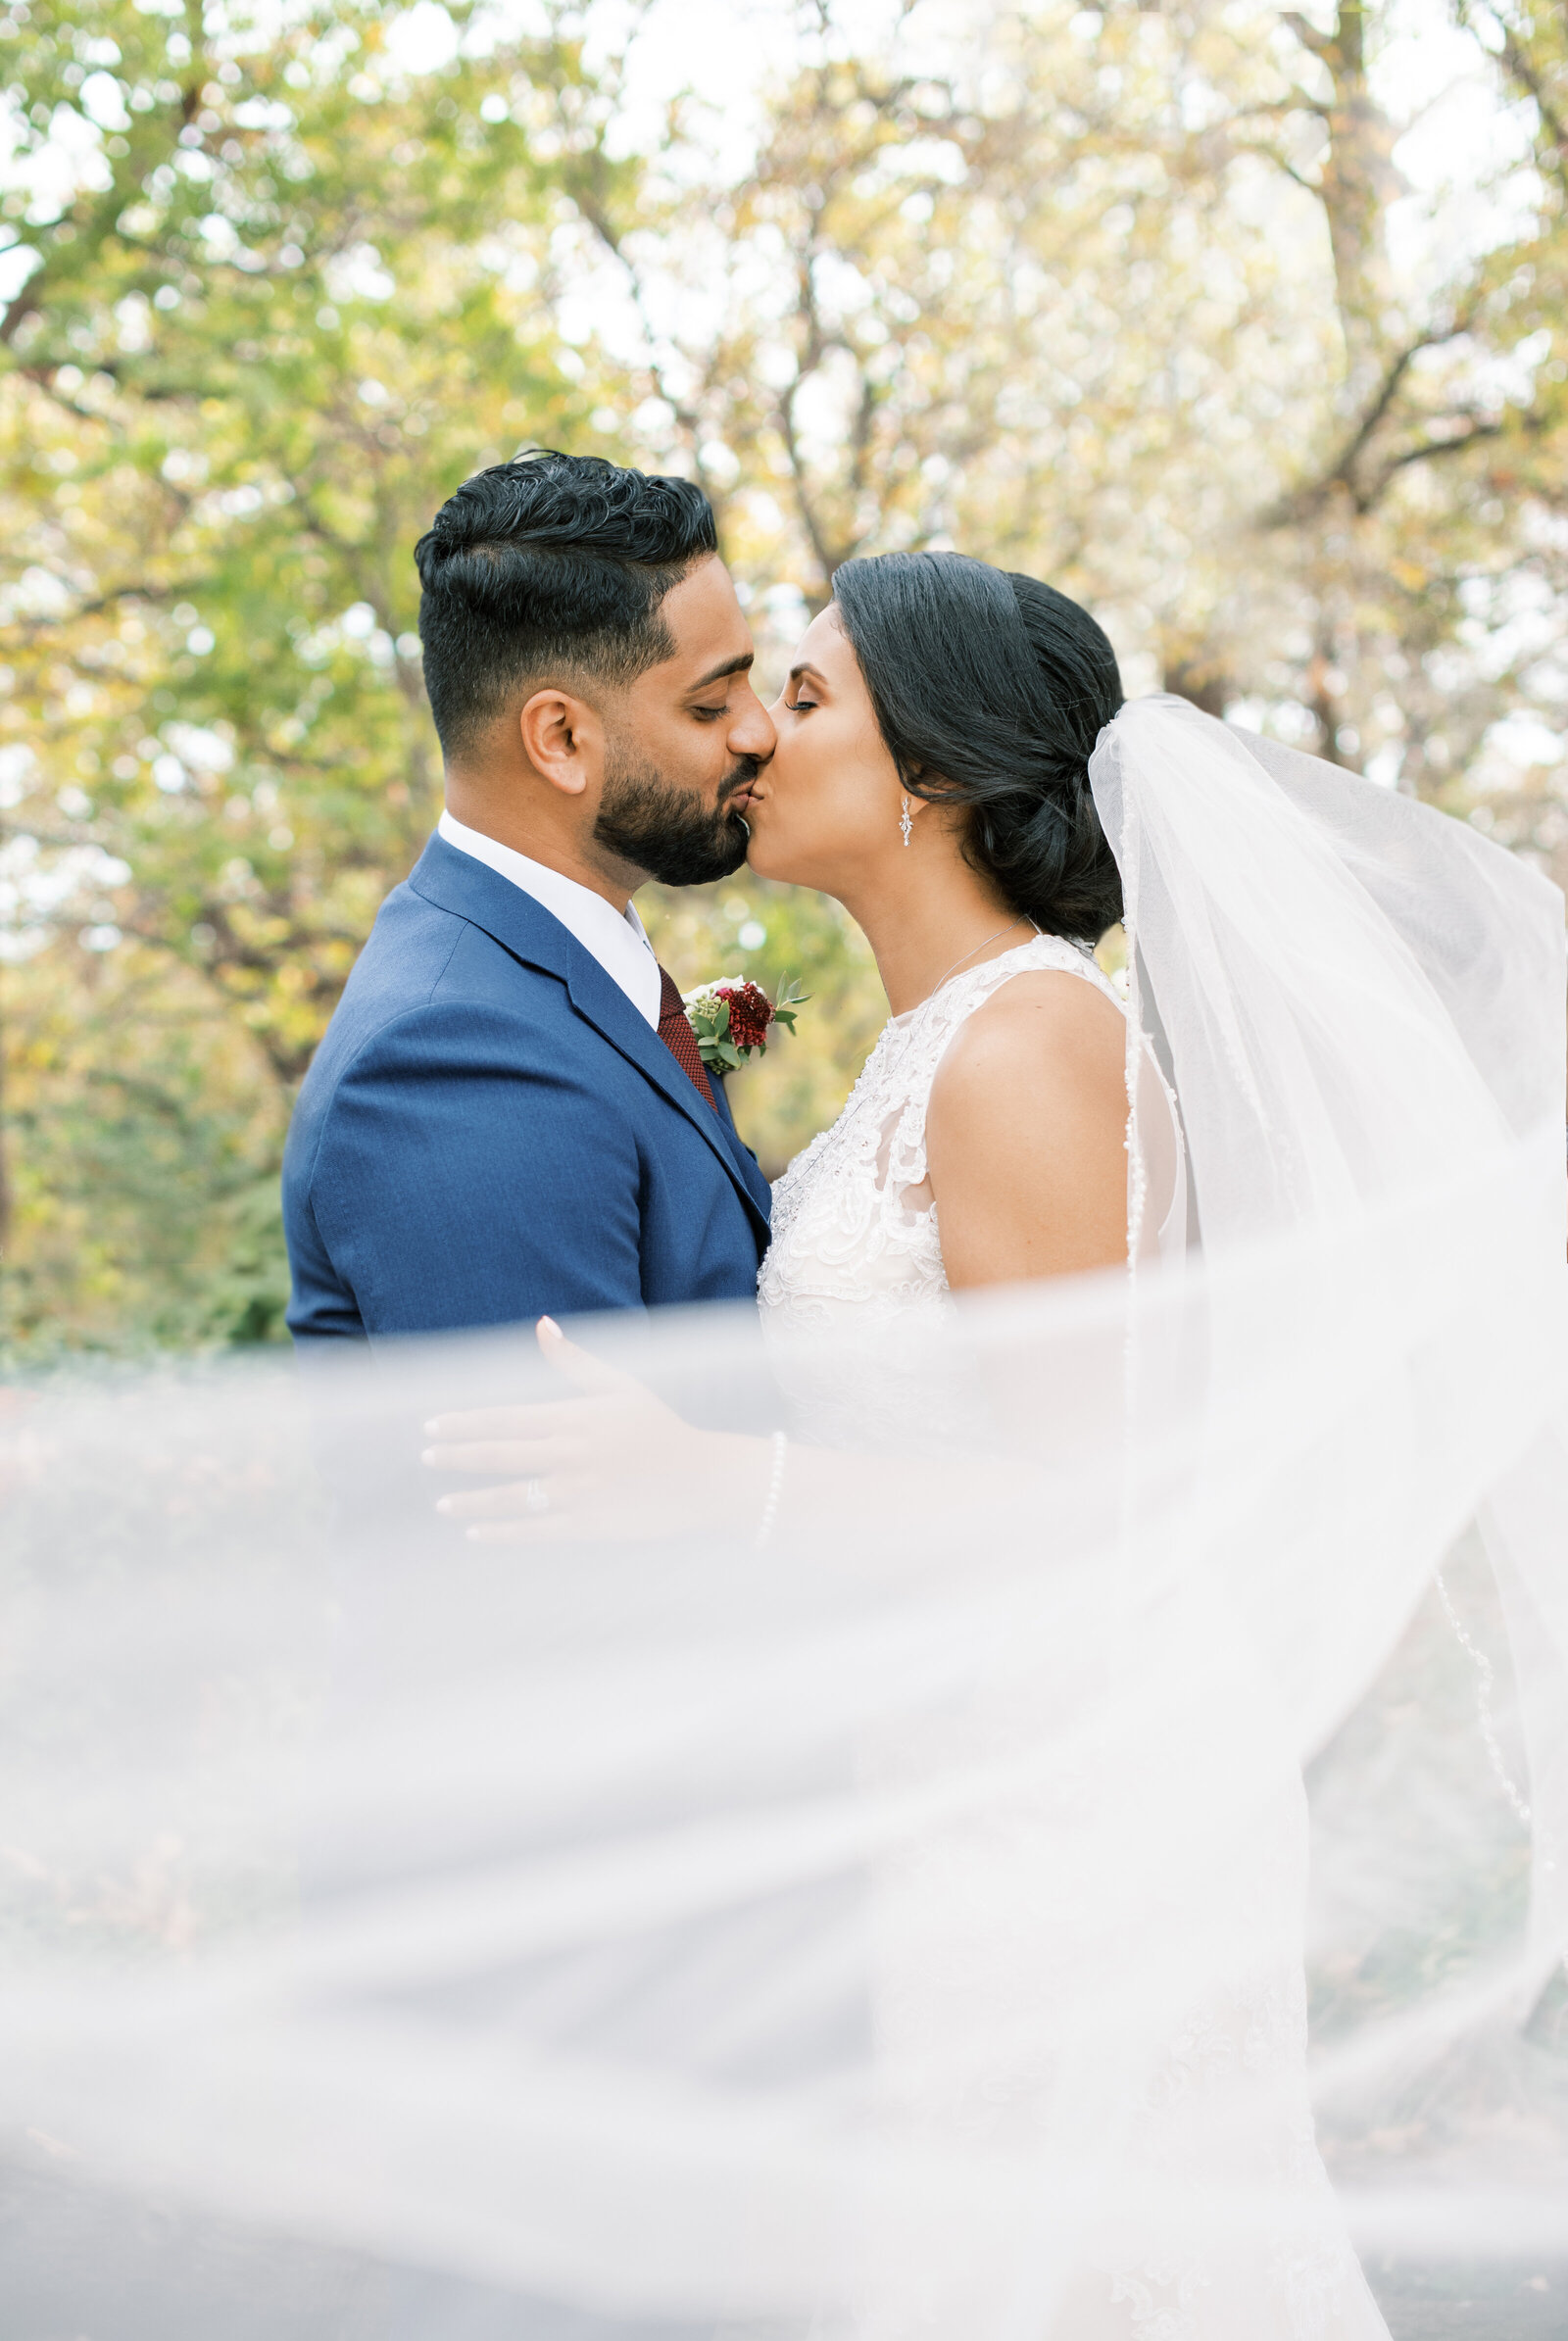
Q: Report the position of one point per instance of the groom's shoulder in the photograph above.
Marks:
(425, 967)
(432, 1000)
(426, 954)
(417, 950)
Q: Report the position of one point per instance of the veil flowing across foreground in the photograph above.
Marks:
(1096, 1867)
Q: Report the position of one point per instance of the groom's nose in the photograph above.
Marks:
(751, 731)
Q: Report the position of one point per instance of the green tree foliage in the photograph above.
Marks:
(297, 296)
(1120, 296)
(1117, 300)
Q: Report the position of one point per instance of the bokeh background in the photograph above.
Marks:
(1244, 325)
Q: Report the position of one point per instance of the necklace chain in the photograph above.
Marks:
(979, 946)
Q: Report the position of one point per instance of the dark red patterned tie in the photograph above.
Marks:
(675, 1029)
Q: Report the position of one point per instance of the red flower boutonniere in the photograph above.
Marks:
(733, 1019)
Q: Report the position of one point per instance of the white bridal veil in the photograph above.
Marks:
(918, 1925)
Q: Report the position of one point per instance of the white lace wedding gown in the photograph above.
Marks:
(855, 1225)
(1213, 2097)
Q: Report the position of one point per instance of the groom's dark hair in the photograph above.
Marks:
(549, 569)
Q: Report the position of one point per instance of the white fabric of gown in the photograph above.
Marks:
(1214, 2098)
(855, 1233)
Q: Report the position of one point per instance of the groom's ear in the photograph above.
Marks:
(563, 738)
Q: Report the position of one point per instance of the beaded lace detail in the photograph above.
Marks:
(854, 1227)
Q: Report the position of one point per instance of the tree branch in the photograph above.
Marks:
(1323, 45)
(24, 304)
(802, 497)
(686, 415)
(1428, 451)
(1302, 502)
(1519, 63)
(106, 599)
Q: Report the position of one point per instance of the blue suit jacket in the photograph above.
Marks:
(490, 1131)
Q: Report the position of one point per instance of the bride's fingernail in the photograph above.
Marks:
(548, 1325)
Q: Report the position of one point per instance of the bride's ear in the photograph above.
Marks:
(923, 776)
(911, 777)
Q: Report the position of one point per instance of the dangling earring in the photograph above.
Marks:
(904, 822)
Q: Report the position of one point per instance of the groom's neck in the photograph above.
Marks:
(542, 834)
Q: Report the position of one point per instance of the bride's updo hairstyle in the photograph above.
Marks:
(990, 689)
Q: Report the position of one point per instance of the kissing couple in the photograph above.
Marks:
(510, 1118)
(1181, 1519)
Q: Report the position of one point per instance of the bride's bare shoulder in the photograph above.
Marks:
(1059, 1024)
(1025, 1129)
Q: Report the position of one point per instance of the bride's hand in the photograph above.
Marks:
(612, 1461)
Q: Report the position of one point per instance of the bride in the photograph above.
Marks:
(932, 774)
(1337, 1004)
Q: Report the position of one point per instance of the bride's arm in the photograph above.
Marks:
(1025, 1134)
(613, 1461)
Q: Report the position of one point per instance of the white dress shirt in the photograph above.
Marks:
(617, 941)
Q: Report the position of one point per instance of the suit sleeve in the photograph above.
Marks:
(466, 1175)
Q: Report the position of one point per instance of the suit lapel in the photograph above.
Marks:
(751, 1172)
(524, 928)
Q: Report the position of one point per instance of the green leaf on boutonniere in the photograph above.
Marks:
(733, 1018)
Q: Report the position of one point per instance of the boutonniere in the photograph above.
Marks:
(733, 1019)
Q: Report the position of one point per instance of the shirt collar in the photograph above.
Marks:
(618, 941)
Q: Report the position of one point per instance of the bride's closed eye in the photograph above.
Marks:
(799, 705)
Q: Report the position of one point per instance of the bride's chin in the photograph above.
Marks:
(769, 856)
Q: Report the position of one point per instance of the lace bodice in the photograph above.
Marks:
(854, 1225)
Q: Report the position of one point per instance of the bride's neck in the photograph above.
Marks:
(925, 923)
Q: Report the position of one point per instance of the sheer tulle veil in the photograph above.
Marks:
(1099, 1878)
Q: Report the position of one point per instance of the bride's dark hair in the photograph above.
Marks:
(990, 690)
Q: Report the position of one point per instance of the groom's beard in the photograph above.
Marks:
(670, 832)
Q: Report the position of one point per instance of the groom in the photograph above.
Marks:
(508, 1115)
